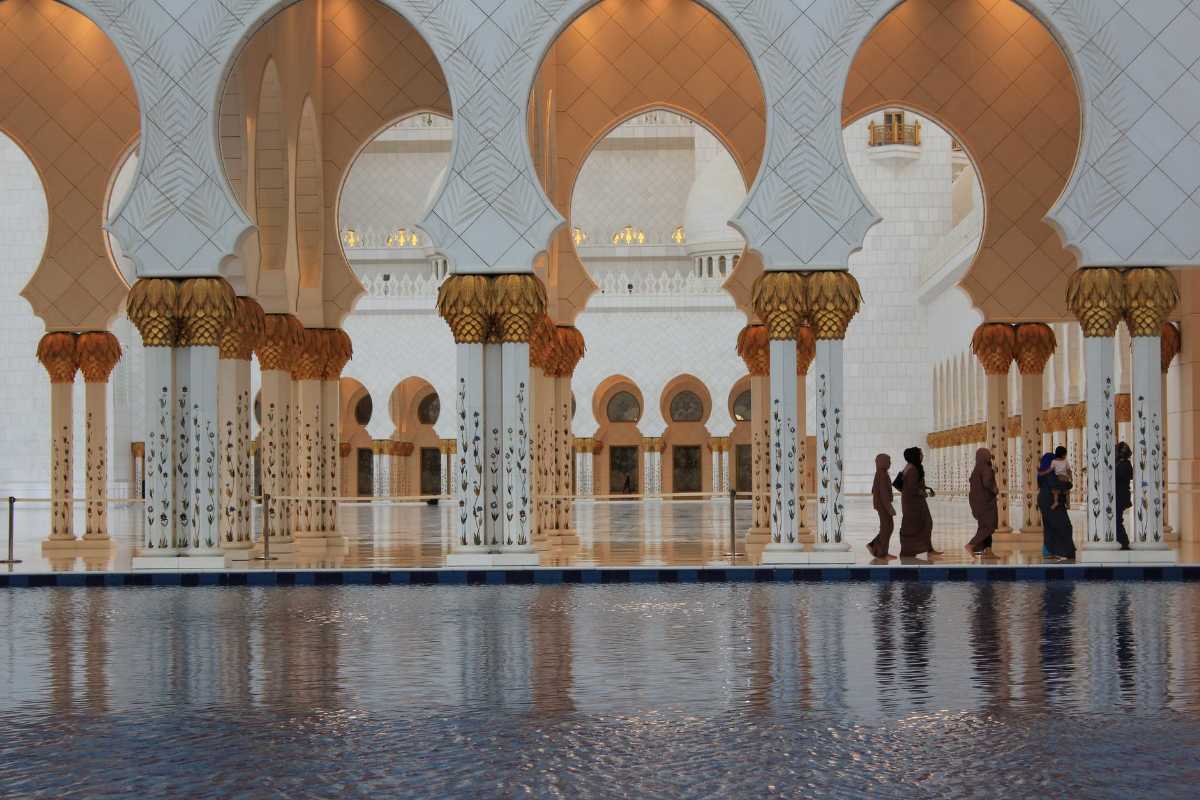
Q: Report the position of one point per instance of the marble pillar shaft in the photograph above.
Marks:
(159, 508)
(760, 453)
(306, 458)
(331, 455)
(232, 446)
(828, 389)
(96, 453)
(1100, 443)
(1031, 450)
(997, 441)
(784, 484)
(1148, 461)
(62, 461)
(197, 455)
(471, 529)
(274, 456)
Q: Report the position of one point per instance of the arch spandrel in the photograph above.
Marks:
(68, 102)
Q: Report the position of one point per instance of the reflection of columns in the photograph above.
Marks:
(152, 307)
(233, 411)
(1035, 344)
(585, 456)
(1170, 348)
(806, 352)
(206, 307)
(1097, 298)
(1151, 294)
(833, 300)
(753, 346)
(652, 466)
(98, 353)
(57, 352)
(282, 337)
(993, 345)
(446, 448)
(780, 302)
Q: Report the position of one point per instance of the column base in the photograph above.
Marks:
(557, 539)
(94, 542)
(58, 545)
(178, 562)
(1092, 555)
(785, 554)
(238, 551)
(806, 536)
(278, 547)
(484, 559)
(758, 536)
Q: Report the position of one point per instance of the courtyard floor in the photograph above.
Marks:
(616, 534)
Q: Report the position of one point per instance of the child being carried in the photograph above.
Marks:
(1060, 489)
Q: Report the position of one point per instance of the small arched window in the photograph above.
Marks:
(741, 407)
(624, 407)
(429, 410)
(363, 409)
(686, 407)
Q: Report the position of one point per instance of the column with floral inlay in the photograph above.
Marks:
(58, 354)
(99, 352)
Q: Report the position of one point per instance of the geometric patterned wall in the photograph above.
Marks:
(990, 71)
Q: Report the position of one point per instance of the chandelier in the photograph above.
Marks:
(677, 235)
(350, 238)
(403, 238)
(578, 235)
(629, 235)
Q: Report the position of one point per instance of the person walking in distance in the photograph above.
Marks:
(884, 503)
(916, 526)
(1124, 491)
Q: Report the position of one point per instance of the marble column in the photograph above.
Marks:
(308, 445)
(446, 448)
(585, 454)
(206, 307)
(1097, 298)
(338, 351)
(234, 410)
(152, 306)
(568, 352)
(519, 303)
(1151, 294)
(58, 354)
(98, 354)
(282, 338)
(779, 300)
(834, 298)
(1035, 344)
(993, 344)
(806, 352)
(753, 346)
(1171, 342)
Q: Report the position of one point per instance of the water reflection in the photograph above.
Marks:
(680, 690)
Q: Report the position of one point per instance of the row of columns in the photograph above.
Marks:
(793, 305)
(554, 353)
(199, 338)
(63, 355)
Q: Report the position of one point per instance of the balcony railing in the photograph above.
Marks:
(894, 133)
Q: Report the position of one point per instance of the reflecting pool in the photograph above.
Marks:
(844, 690)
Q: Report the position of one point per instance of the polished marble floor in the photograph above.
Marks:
(612, 534)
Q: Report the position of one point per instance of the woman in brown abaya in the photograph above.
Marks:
(916, 527)
(982, 497)
(881, 498)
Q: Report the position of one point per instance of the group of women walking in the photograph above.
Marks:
(916, 526)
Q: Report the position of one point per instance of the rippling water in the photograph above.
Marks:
(843, 690)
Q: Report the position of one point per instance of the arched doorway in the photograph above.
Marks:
(687, 446)
(619, 406)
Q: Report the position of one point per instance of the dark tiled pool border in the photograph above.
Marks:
(551, 576)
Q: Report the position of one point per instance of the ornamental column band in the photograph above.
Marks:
(806, 352)
(753, 346)
(780, 302)
(233, 410)
(1097, 298)
(993, 344)
(1151, 294)
(98, 354)
(152, 306)
(58, 354)
(206, 307)
(338, 351)
(833, 299)
(1171, 345)
(1034, 345)
(282, 337)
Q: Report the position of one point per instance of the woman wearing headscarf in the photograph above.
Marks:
(882, 499)
(1058, 535)
(916, 528)
(982, 497)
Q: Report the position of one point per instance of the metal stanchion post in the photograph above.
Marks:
(732, 526)
(12, 504)
(266, 554)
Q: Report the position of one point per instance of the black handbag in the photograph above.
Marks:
(898, 483)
